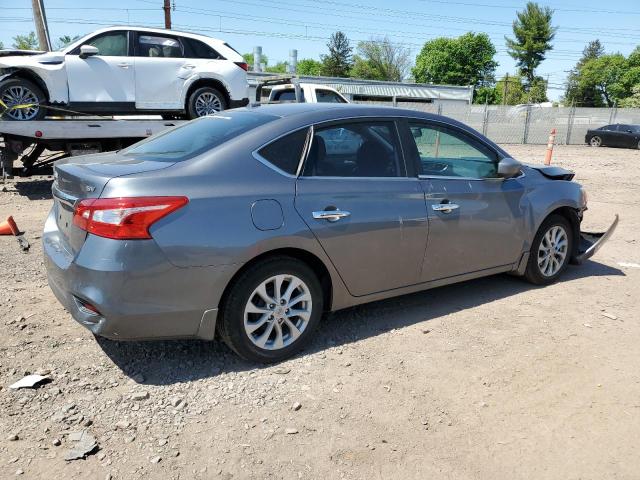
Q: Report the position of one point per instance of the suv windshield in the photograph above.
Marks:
(197, 136)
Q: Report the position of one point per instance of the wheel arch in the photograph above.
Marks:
(572, 215)
(207, 82)
(311, 260)
(30, 76)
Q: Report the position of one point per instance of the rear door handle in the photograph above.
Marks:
(330, 215)
(189, 66)
(445, 207)
(124, 65)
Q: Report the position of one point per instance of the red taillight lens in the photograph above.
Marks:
(243, 65)
(124, 218)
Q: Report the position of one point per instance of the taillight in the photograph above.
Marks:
(243, 65)
(124, 218)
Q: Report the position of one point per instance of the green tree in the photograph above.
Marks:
(309, 66)
(466, 60)
(513, 87)
(578, 93)
(1, 45)
(65, 40)
(606, 74)
(280, 67)
(482, 95)
(381, 60)
(248, 58)
(339, 60)
(632, 101)
(537, 91)
(26, 42)
(533, 34)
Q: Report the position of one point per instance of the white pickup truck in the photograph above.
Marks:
(310, 93)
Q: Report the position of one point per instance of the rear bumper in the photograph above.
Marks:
(137, 292)
(590, 243)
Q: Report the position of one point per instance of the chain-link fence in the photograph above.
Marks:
(527, 123)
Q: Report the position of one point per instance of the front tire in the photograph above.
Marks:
(205, 101)
(17, 91)
(595, 141)
(550, 251)
(271, 310)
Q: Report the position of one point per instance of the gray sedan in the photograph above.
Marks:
(253, 222)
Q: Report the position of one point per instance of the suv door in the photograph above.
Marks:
(476, 220)
(366, 213)
(161, 71)
(106, 77)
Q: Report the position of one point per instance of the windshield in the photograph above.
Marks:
(197, 136)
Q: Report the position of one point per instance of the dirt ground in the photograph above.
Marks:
(488, 379)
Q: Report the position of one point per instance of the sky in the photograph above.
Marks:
(280, 25)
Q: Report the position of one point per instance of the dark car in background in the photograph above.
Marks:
(617, 135)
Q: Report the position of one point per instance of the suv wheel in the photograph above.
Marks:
(25, 94)
(550, 251)
(271, 310)
(595, 141)
(205, 101)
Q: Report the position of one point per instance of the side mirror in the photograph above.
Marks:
(88, 51)
(509, 168)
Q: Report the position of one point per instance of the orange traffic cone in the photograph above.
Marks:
(9, 227)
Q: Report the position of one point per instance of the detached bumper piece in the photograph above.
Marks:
(590, 243)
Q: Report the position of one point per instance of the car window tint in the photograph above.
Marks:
(286, 152)
(158, 46)
(112, 44)
(197, 136)
(358, 149)
(444, 152)
(327, 96)
(288, 95)
(198, 49)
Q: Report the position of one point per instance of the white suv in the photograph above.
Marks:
(120, 70)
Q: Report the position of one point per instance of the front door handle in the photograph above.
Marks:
(445, 207)
(330, 215)
(124, 65)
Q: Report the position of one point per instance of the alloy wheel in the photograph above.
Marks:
(19, 95)
(595, 141)
(553, 250)
(277, 312)
(207, 103)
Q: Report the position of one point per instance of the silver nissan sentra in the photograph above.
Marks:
(253, 222)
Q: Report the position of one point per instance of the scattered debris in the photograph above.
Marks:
(86, 444)
(13, 437)
(629, 264)
(156, 459)
(282, 370)
(291, 431)
(30, 381)
(140, 396)
(609, 315)
(587, 325)
(296, 406)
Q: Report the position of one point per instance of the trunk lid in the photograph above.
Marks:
(78, 178)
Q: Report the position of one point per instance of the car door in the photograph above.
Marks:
(107, 77)
(161, 71)
(476, 220)
(628, 136)
(369, 217)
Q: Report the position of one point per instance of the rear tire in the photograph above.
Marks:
(595, 141)
(205, 101)
(18, 91)
(264, 323)
(550, 251)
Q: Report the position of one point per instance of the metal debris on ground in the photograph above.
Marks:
(86, 444)
(30, 381)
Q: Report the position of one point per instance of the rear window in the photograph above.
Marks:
(197, 136)
(287, 95)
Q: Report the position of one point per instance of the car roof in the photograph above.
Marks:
(159, 31)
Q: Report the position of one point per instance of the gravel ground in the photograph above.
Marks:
(488, 379)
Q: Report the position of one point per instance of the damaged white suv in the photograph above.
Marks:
(120, 70)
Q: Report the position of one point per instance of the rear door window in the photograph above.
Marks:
(197, 49)
(153, 45)
(288, 95)
(286, 152)
(355, 149)
(197, 136)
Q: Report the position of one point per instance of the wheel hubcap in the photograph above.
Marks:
(552, 251)
(207, 103)
(595, 141)
(278, 311)
(19, 95)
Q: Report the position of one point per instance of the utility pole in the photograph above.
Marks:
(505, 90)
(40, 19)
(167, 14)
